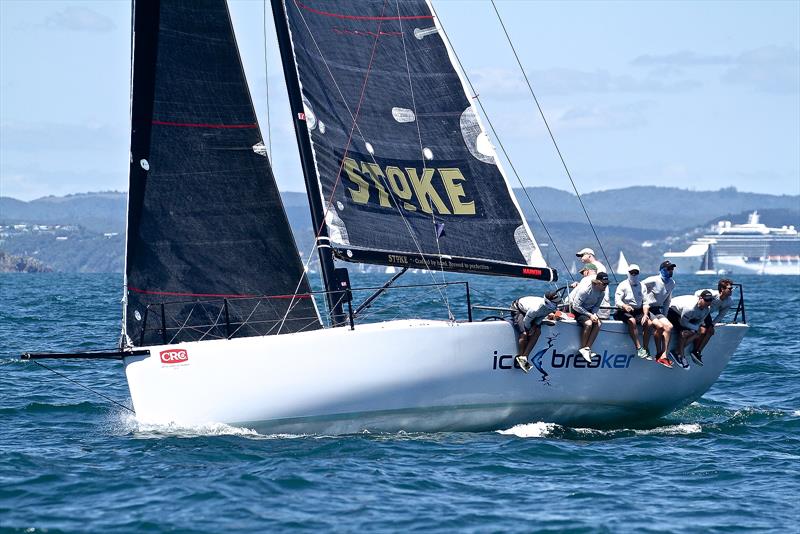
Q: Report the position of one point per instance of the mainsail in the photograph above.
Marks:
(408, 176)
(208, 237)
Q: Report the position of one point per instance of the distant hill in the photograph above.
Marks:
(91, 236)
(98, 212)
(667, 208)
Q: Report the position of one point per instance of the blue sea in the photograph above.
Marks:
(72, 460)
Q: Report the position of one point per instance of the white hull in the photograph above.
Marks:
(413, 375)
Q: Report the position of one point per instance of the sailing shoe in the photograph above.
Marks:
(697, 358)
(523, 363)
(586, 352)
(642, 353)
(664, 361)
(548, 322)
(680, 359)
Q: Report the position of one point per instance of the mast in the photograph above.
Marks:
(307, 162)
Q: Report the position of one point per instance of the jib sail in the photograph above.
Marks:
(209, 250)
(407, 173)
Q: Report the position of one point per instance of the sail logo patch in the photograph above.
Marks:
(431, 190)
(174, 356)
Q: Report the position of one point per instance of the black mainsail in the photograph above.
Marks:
(210, 253)
(407, 174)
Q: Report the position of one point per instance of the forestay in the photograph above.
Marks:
(207, 234)
(407, 173)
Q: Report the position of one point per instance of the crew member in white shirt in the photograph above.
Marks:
(587, 256)
(687, 313)
(629, 300)
(723, 302)
(658, 293)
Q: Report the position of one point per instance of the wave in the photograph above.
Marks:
(531, 430)
(541, 429)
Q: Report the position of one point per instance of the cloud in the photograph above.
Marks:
(681, 59)
(774, 69)
(560, 81)
(81, 19)
(622, 117)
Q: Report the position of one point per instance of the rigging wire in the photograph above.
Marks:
(422, 155)
(87, 388)
(266, 80)
(552, 137)
(503, 148)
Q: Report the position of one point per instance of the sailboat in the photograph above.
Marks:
(219, 320)
(707, 265)
(622, 264)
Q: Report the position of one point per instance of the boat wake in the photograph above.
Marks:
(552, 430)
(126, 423)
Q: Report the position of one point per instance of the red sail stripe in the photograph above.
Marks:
(359, 17)
(203, 125)
(175, 294)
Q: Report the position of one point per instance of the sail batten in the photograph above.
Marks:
(401, 156)
(209, 250)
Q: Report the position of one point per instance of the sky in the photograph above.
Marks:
(699, 95)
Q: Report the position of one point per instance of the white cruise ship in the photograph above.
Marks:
(751, 248)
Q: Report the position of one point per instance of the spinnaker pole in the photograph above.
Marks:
(307, 162)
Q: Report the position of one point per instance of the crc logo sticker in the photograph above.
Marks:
(174, 356)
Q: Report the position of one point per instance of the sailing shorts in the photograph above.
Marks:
(675, 319)
(708, 322)
(622, 315)
(581, 318)
(655, 313)
(518, 318)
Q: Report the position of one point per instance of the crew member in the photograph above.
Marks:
(629, 299)
(657, 295)
(528, 314)
(722, 303)
(687, 313)
(586, 302)
(587, 256)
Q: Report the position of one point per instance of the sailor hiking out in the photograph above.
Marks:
(629, 301)
(528, 315)
(658, 293)
(722, 303)
(585, 302)
(687, 313)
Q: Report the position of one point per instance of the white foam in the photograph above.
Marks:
(530, 430)
(683, 428)
(127, 423)
(796, 413)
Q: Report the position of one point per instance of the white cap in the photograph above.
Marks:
(633, 267)
(583, 251)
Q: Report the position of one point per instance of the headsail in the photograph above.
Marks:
(407, 173)
(208, 237)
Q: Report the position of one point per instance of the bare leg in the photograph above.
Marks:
(687, 336)
(593, 334)
(532, 339)
(659, 337)
(702, 341)
(667, 327)
(647, 328)
(587, 331)
(632, 332)
(522, 342)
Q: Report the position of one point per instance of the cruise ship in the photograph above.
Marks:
(751, 248)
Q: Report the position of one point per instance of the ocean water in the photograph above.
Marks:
(71, 460)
